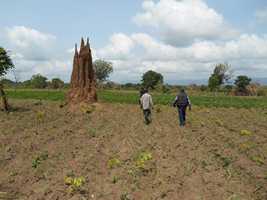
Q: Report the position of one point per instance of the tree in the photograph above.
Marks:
(241, 83)
(5, 65)
(151, 78)
(214, 82)
(7, 82)
(102, 69)
(39, 81)
(221, 74)
(56, 83)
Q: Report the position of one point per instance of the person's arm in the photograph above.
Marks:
(151, 102)
(174, 104)
(141, 102)
(189, 103)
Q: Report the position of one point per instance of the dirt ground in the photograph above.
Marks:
(220, 155)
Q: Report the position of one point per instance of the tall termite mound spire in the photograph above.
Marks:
(83, 80)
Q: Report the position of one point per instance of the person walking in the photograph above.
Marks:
(146, 105)
(182, 102)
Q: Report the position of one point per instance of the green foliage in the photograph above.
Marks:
(75, 183)
(38, 160)
(5, 62)
(151, 78)
(245, 133)
(92, 132)
(7, 82)
(56, 83)
(203, 88)
(114, 162)
(242, 82)
(115, 179)
(38, 81)
(102, 69)
(125, 196)
(142, 159)
(214, 82)
(258, 160)
(220, 75)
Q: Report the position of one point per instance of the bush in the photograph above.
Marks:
(203, 88)
(262, 92)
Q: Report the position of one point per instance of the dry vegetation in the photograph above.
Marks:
(107, 153)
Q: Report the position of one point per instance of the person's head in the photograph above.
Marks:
(145, 90)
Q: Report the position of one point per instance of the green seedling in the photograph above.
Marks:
(38, 160)
(258, 160)
(246, 146)
(40, 115)
(234, 197)
(245, 133)
(125, 196)
(75, 183)
(115, 179)
(92, 132)
(87, 109)
(225, 160)
(113, 163)
(142, 159)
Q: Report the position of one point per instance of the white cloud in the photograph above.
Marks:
(34, 44)
(182, 22)
(34, 52)
(246, 53)
(261, 15)
(119, 47)
(185, 40)
(24, 37)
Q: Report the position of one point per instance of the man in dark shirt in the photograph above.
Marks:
(181, 102)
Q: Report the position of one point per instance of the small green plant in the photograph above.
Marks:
(258, 159)
(92, 132)
(234, 197)
(38, 160)
(245, 133)
(125, 196)
(87, 109)
(75, 183)
(115, 179)
(224, 160)
(114, 162)
(142, 158)
(40, 115)
(246, 146)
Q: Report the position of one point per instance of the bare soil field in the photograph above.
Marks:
(106, 152)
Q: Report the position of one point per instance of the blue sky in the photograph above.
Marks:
(181, 39)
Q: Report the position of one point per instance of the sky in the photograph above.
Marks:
(182, 39)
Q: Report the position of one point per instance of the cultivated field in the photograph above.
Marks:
(105, 152)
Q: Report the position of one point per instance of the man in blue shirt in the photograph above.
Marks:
(181, 102)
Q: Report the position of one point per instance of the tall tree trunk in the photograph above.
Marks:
(4, 98)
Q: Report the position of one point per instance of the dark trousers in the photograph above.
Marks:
(147, 116)
(182, 115)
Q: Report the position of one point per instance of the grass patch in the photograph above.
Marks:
(131, 97)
